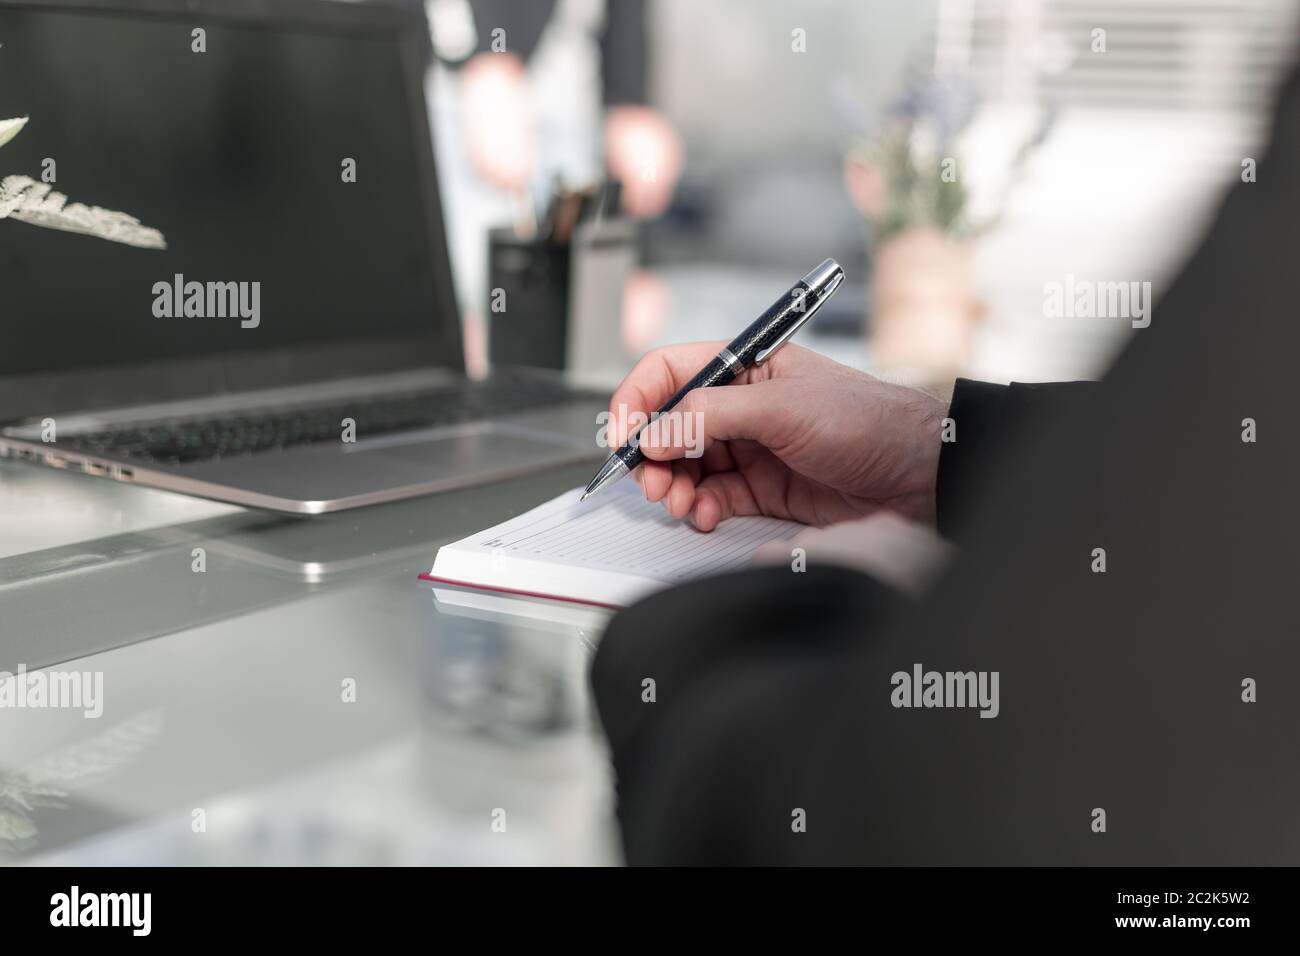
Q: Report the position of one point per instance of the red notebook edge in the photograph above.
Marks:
(427, 576)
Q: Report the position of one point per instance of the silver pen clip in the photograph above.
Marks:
(822, 295)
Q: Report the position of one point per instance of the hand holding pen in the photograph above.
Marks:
(796, 436)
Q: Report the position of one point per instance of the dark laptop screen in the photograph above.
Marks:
(236, 155)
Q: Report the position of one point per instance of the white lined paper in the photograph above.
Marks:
(610, 548)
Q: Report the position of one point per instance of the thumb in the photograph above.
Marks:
(761, 412)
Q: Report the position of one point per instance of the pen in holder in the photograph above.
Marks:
(554, 298)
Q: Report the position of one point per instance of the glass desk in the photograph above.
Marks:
(304, 699)
(223, 690)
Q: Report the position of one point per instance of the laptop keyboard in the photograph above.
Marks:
(190, 440)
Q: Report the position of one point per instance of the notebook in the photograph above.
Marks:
(608, 551)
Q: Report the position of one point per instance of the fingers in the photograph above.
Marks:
(717, 457)
(719, 497)
(655, 478)
(681, 491)
(653, 380)
(659, 374)
(766, 413)
(691, 440)
(707, 501)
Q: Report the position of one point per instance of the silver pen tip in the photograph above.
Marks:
(613, 469)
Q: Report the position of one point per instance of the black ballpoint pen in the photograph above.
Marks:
(754, 346)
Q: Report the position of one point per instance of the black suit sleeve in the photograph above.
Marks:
(712, 647)
(989, 422)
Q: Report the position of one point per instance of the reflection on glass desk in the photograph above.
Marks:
(302, 699)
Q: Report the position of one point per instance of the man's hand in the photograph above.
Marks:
(800, 437)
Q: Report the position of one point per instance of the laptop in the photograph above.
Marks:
(296, 345)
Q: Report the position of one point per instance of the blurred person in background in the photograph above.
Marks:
(526, 95)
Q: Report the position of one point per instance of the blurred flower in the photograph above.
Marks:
(902, 171)
(866, 186)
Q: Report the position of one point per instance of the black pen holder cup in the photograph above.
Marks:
(527, 301)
